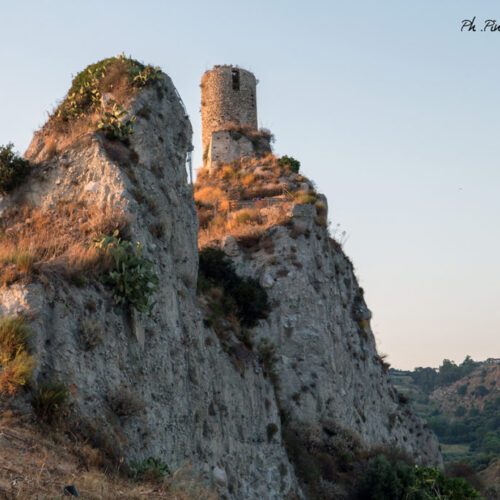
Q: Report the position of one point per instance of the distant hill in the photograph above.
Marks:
(476, 390)
(461, 403)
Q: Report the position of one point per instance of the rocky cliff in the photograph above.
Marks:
(164, 384)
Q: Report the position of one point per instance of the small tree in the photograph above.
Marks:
(13, 169)
(291, 163)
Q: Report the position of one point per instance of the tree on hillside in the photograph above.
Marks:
(430, 378)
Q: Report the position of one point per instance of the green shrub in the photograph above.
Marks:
(480, 391)
(13, 169)
(84, 94)
(132, 275)
(141, 75)
(243, 297)
(384, 480)
(112, 125)
(291, 163)
(215, 267)
(429, 481)
(50, 401)
(149, 469)
(251, 301)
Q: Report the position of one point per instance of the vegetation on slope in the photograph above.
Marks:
(131, 276)
(461, 403)
(13, 169)
(429, 379)
(332, 464)
(37, 241)
(96, 101)
(232, 306)
(246, 197)
(38, 463)
(385, 480)
(241, 297)
(16, 364)
(118, 75)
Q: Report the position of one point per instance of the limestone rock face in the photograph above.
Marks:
(157, 385)
(327, 364)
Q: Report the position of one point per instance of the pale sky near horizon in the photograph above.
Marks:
(392, 110)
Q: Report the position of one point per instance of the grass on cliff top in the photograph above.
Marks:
(248, 196)
(120, 76)
(83, 110)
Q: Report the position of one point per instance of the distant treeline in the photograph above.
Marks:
(427, 379)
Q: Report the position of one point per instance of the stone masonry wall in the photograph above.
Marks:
(221, 103)
(224, 149)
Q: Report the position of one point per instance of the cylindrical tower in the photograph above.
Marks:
(228, 94)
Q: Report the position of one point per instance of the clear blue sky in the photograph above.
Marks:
(393, 112)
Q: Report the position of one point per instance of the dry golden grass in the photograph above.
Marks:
(116, 81)
(269, 161)
(16, 365)
(14, 332)
(37, 464)
(210, 195)
(303, 197)
(59, 239)
(15, 373)
(248, 180)
(227, 173)
(244, 225)
(245, 216)
(219, 194)
(59, 134)
(247, 197)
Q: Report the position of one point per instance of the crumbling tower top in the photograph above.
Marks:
(228, 95)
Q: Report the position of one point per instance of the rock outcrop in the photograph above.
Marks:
(161, 385)
(176, 392)
(332, 387)
(327, 363)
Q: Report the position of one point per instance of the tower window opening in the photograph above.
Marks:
(236, 79)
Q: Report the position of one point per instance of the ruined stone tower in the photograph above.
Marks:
(228, 95)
